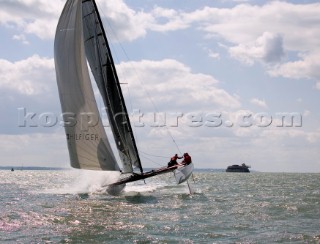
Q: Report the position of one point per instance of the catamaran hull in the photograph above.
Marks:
(115, 190)
(183, 173)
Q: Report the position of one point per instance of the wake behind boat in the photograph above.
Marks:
(81, 38)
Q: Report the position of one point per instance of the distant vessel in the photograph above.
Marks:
(12, 169)
(238, 168)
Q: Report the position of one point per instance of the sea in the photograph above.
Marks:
(71, 206)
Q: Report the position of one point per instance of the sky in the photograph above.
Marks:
(237, 81)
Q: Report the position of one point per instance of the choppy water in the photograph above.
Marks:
(65, 207)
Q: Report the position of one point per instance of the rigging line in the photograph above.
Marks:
(152, 160)
(148, 94)
(153, 155)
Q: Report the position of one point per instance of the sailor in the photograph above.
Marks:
(186, 159)
(173, 160)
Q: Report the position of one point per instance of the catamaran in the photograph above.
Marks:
(80, 39)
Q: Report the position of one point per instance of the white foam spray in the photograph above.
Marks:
(87, 181)
(93, 181)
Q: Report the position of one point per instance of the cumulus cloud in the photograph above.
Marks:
(266, 33)
(30, 76)
(27, 84)
(168, 84)
(40, 17)
(37, 17)
(167, 20)
(126, 24)
(122, 22)
(244, 23)
(175, 86)
(268, 48)
(251, 33)
(36, 75)
(308, 67)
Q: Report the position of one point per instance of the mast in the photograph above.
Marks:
(103, 69)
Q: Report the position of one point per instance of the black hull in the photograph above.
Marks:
(238, 169)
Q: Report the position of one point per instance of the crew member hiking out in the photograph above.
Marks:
(186, 159)
(173, 160)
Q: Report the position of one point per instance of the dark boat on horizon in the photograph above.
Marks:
(243, 168)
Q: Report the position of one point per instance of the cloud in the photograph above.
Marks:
(127, 24)
(258, 102)
(122, 22)
(307, 67)
(29, 83)
(268, 48)
(244, 23)
(21, 38)
(266, 33)
(173, 85)
(29, 76)
(251, 33)
(167, 20)
(212, 54)
(38, 17)
(165, 85)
